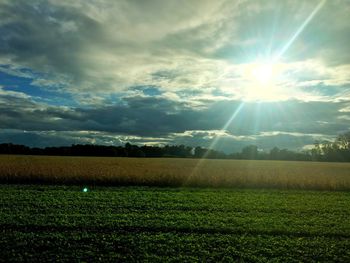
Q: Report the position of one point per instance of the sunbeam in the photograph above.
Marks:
(216, 139)
(300, 29)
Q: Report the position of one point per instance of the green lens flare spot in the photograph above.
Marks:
(85, 189)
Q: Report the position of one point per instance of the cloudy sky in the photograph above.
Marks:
(220, 74)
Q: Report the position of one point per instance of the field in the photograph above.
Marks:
(182, 210)
(63, 223)
(175, 172)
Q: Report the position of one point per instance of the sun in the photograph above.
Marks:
(263, 73)
(262, 80)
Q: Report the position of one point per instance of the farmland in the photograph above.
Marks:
(138, 223)
(161, 210)
(174, 172)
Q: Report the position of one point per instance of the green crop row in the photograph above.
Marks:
(63, 223)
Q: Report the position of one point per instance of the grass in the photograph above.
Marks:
(63, 223)
(174, 172)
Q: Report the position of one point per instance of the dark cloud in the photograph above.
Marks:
(46, 38)
(159, 117)
(34, 139)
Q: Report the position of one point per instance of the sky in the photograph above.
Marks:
(219, 74)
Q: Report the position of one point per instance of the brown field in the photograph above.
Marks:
(174, 172)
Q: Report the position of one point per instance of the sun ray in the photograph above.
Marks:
(300, 29)
(215, 140)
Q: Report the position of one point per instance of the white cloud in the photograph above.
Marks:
(108, 46)
(212, 134)
(316, 136)
(11, 93)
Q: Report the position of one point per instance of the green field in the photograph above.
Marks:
(62, 223)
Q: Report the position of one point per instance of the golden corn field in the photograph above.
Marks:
(175, 172)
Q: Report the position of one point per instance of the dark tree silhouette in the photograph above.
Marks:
(250, 152)
(336, 151)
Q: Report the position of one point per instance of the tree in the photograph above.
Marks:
(336, 151)
(274, 153)
(343, 141)
(250, 152)
(199, 152)
(343, 146)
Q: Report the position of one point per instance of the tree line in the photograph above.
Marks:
(336, 151)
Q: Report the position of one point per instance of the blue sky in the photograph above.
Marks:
(269, 73)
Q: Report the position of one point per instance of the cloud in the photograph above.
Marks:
(105, 47)
(160, 119)
(94, 45)
(174, 71)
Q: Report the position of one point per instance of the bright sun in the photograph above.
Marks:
(262, 80)
(263, 73)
